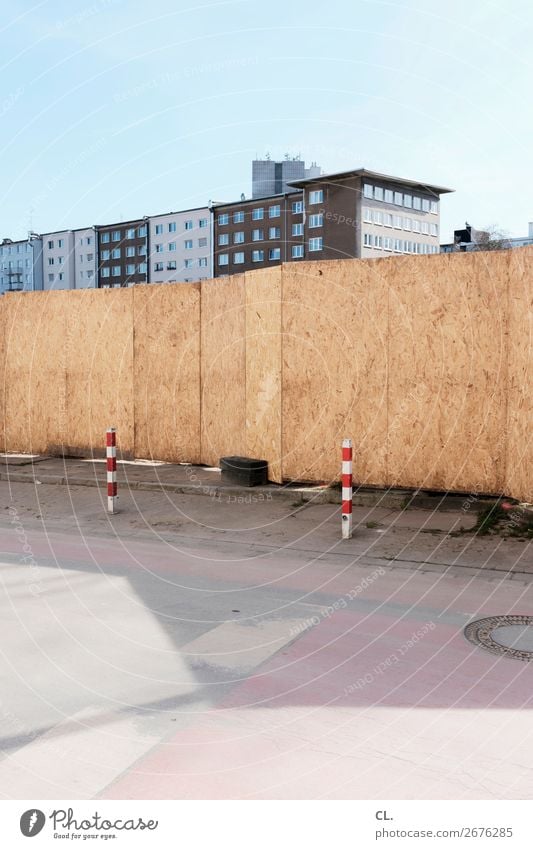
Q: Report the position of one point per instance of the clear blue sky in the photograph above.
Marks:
(114, 109)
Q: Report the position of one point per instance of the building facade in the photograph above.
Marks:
(58, 260)
(180, 246)
(123, 250)
(85, 258)
(21, 265)
(274, 178)
(251, 234)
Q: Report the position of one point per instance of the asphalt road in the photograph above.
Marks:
(197, 649)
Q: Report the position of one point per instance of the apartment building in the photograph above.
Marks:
(123, 253)
(258, 233)
(21, 264)
(270, 177)
(58, 260)
(180, 246)
(85, 258)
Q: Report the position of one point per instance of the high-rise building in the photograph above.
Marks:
(271, 177)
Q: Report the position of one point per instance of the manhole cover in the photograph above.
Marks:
(508, 635)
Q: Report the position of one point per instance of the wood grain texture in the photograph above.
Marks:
(519, 441)
(263, 368)
(334, 369)
(223, 365)
(167, 372)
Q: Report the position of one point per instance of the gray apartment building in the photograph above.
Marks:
(180, 246)
(271, 177)
(357, 213)
(21, 264)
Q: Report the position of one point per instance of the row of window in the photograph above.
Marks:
(131, 233)
(129, 251)
(297, 252)
(172, 227)
(386, 243)
(188, 245)
(399, 222)
(15, 249)
(400, 198)
(274, 211)
(188, 263)
(258, 235)
(59, 243)
(116, 270)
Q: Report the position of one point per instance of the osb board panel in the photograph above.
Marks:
(35, 396)
(223, 368)
(519, 476)
(447, 371)
(334, 369)
(167, 372)
(98, 350)
(263, 368)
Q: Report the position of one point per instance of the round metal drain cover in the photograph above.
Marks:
(508, 635)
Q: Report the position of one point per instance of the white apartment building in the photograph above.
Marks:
(180, 246)
(85, 258)
(58, 260)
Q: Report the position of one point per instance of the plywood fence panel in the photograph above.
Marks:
(448, 371)
(167, 372)
(519, 476)
(263, 368)
(334, 369)
(223, 368)
(98, 354)
(35, 395)
(3, 372)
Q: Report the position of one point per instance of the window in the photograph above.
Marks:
(141, 232)
(417, 203)
(189, 224)
(223, 218)
(50, 246)
(434, 207)
(89, 274)
(223, 259)
(297, 206)
(60, 243)
(378, 217)
(158, 250)
(158, 266)
(368, 190)
(257, 235)
(238, 238)
(398, 198)
(258, 214)
(90, 257)
(387, 243)
(408, 201)
(406, 223)
(115, 236)
(389, 196)
(238, 258)
(202, 262)
(258, 256)
(189, 263)
(142, 250)
(50, 260)
(61, 260)
(105, 272)
(416, 225)
(202, 222)
(378, 193)
(89, 240)
(274, 253)
(378, 241)
(116, 271)
(202, 243)
(315, 244)
(297, 251)
(367, 215)
(158, 229)
(223, 239)
(316, 220)
(397, 222)
(106, 254)
(274, 211)
(104, 237)
(425, 228)
(130, 233)
(317, 196)
(188, 244)
(51, 277)
(171, 265)
(130, 269)
(398, 245)
(130, 251)
(274, 233)
(297, 229)
(172, 246)
(115, 253)
(433, 229)
(238, 217)
(368, 240)
(425, 205)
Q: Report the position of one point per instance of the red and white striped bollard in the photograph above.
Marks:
(111, 455)
(347, 491)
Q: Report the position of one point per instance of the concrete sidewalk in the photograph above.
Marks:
(188, 479)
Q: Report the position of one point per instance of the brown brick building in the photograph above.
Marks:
(123, 250)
